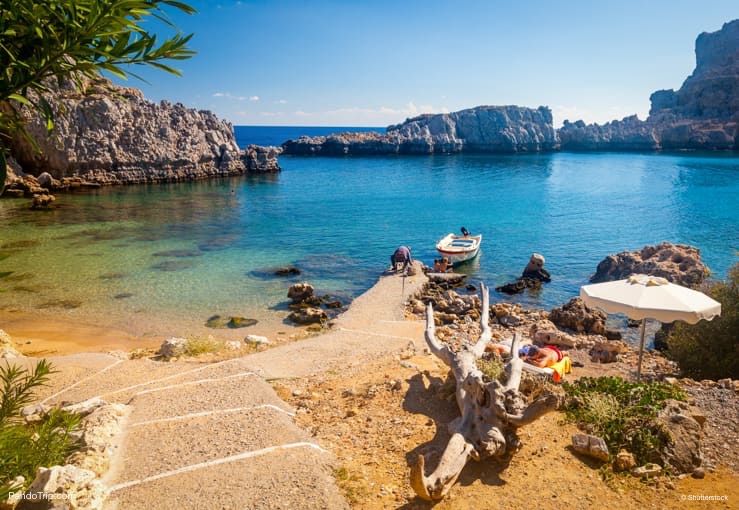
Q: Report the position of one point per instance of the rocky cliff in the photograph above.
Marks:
(498, 129)
(112, 135)
(703, 114)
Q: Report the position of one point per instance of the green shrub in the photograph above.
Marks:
(622, 413)
(202, 345)
(493, 368)
(24, 448)
(710, 349)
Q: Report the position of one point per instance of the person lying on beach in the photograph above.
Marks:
(544, 356)
(504, 348)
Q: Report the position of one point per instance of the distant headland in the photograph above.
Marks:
(703, 114)
(111, 135)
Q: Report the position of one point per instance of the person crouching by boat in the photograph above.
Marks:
(401, 256)
(442, 265)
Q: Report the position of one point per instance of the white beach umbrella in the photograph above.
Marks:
(650, 297)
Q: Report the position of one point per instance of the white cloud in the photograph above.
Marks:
(347, 116)
(228, 95)
(359, 116)
(253, 98)
(282, 101)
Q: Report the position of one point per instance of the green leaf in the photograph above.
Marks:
(20, 99)
(57, 40)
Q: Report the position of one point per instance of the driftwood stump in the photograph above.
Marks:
(490, 411)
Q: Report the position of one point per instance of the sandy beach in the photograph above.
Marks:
(40, 335)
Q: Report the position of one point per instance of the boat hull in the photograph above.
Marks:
(459, 249)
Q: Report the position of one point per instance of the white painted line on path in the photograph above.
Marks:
(117, 362)
(216, 462)
(199, 381)
(371, 333)
(209, 413)
(192, 371)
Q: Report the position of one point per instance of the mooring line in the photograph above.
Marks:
(209, 413)
(216, 462)
(117, 362)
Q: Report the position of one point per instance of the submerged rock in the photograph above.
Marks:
(286, 271)
(220, 322)
(178, 253)
(520, 285)
(172, 265)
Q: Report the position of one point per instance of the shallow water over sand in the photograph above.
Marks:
(160, 260)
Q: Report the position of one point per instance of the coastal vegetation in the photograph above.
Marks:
(43, 44)
(622, 413)
(24, 447)
(710, 349)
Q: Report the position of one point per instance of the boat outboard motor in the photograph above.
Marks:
(465, 232)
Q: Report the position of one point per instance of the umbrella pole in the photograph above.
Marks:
(641, 348)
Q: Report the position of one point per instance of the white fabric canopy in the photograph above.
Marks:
(650, 297)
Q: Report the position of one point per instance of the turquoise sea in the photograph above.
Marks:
(161, 259)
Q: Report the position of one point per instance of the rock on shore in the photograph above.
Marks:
(491, 129)
(678, 263)
(112, 135)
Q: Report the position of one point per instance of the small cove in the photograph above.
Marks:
(160, 260)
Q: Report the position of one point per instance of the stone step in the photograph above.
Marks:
(119, 374)
(153, 447)
(335, 350)
(68, 371)
(120, 380)
(291, 477)
(178, 399)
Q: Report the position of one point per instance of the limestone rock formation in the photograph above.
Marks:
(678, 263)
(300, 292)
(683, 451)
(575, 316)
(490, 129)
(261, 160)
(629, 134)
(112, 135)
(591, 446)
(703, 114)
(7, 347)
(172, 347)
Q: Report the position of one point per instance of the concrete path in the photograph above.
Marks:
(215, 435)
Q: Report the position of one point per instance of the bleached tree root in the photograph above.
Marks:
(490, 411)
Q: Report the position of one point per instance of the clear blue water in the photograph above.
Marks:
(340, 219)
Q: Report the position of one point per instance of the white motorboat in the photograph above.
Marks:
(459, 248)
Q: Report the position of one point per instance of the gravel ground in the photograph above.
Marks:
(721, 430)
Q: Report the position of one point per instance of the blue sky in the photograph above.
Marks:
(375, 63)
